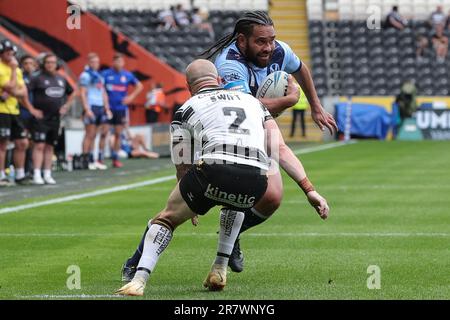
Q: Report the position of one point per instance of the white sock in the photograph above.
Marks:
(20, 173)
(37, 173)
(156, 240)
(47, 173)
(2, 174)
(230, 224)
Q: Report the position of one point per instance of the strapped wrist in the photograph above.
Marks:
(306, 185)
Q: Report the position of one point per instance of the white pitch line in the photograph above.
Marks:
(144, 183)
(86, 195)
(78, 296)
(273, 234)
(323, 147)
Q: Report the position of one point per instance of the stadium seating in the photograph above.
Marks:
(357, 9)
(140, 5)
(348, 59)
(175, 47)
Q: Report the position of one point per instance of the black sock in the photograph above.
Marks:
(250, 220)
(134, 260)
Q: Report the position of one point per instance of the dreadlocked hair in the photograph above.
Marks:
(243, 25)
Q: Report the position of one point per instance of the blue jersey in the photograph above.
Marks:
(116, 84)
(125, 144)
(94, 84)
(239, 74)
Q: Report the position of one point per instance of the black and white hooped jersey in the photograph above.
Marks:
(221, 126)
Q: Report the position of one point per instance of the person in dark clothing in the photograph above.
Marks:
(395, 20)
(53, 95)
(29, 67)
(406, 101)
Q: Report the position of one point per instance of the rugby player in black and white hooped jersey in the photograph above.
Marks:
(221, 143)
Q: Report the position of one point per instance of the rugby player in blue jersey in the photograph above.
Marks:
(243, 59)
(96, 110)
(117, 82)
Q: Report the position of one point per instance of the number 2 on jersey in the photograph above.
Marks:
(240, 117)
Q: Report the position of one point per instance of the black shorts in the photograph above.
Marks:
(99, 118)
(234, 186)
(119, 117)
(11, 127)
(45, 130)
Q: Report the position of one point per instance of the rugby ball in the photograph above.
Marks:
(275, 85)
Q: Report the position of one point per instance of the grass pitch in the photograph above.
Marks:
(389, 207)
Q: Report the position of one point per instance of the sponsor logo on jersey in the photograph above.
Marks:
(274, 67)
(54, 92)
(123, 79)
(116, 87)
(239, 85)
(238, 200)
(5, 132)
(230, 77)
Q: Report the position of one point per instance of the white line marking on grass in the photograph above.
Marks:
(323, 147)
(77, 296)
(86, 195)
(271, 234)
(144, 183)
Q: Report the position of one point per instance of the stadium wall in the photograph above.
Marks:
(46, 21)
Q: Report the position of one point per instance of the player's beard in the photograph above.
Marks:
(253, 57)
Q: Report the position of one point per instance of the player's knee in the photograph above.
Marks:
(165, 220)
(39, 146)
(3, 145)
(21, 145)
(272, 199)
(91, 136)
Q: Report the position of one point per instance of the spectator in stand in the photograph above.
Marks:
(166, 20)
(440, 43)
(96, 111)
(53, 95)
(155, 103)
(200, 21)
(395, 20)
(117, 82)
(181, 16)
(438, 17)
(422, 45)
